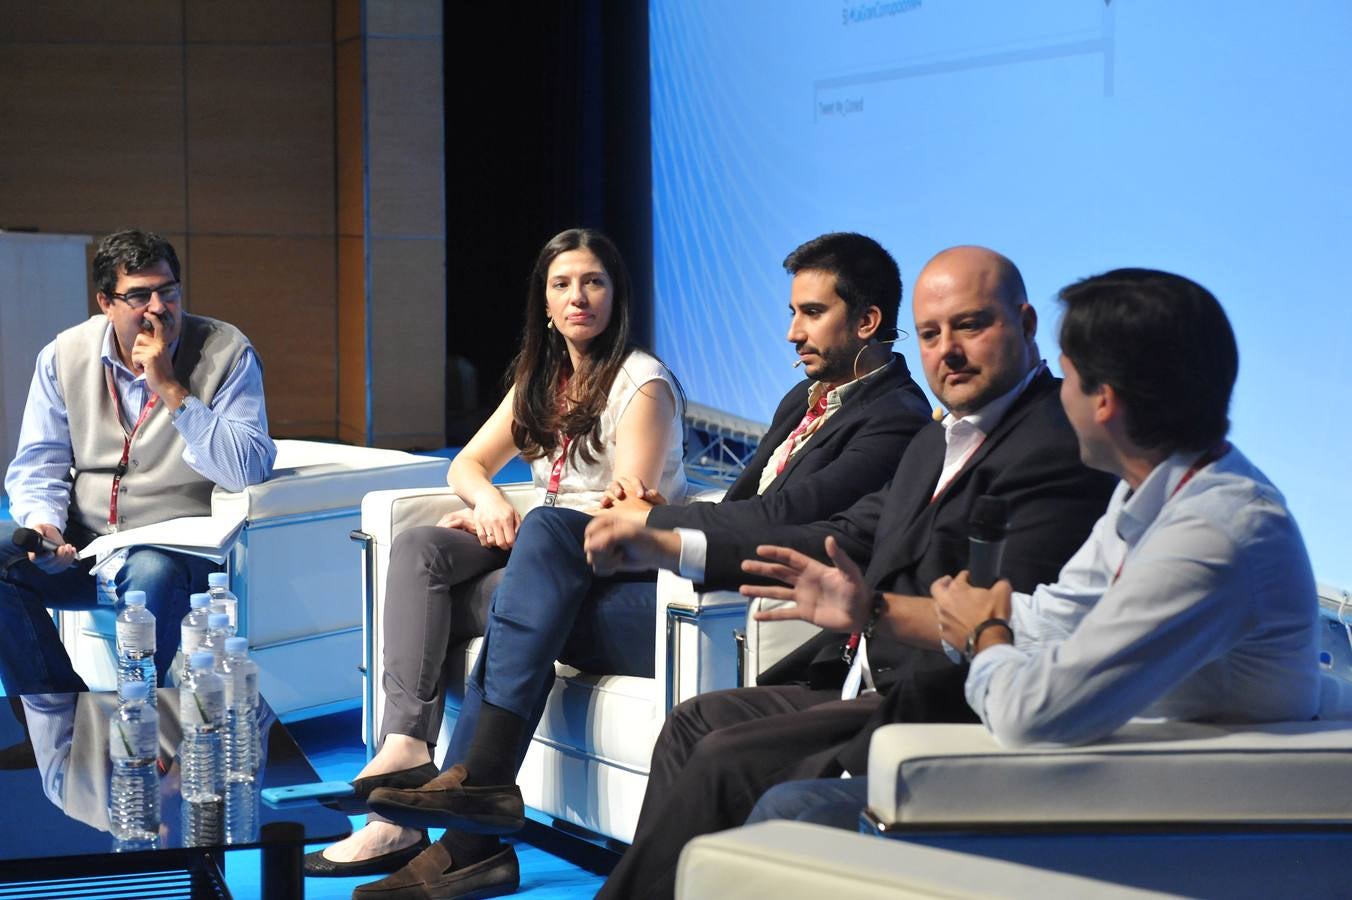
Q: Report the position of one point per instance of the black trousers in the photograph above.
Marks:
(716, 755)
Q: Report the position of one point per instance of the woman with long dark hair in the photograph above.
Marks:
(584, 407)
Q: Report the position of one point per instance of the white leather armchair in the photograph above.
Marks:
(294, 573)
(796, 861)
(588, 762)
(1169, 807)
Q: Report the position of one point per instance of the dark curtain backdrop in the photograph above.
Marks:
(546, 128)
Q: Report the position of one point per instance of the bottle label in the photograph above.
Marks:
(136, 638)
(133, 740)
(192, 639)
(200, 707)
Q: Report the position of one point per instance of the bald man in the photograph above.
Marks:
(1004, 434)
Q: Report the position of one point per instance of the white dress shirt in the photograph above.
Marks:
(1212, 617)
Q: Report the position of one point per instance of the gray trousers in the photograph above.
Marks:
(437, 595)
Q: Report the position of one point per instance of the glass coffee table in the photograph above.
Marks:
(54, 829)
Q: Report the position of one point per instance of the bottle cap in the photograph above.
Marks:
(218, 620)
(218, 579)
(202, 659)
(134, 598)
(133, 690)
(197, 601)
(237, 646)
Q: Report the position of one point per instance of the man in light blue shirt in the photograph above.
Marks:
(1193, 597)
(132, 418)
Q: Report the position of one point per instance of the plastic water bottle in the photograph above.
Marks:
(136, 643)
(193, 629)
(241, 710)
(201, 712)
(222, 600)
(133, 746)
(218, 632)
(241, 812)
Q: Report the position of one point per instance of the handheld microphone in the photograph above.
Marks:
(986, 539)
(34, 541)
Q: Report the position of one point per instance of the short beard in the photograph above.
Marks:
(838, 364)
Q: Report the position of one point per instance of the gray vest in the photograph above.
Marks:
(158, 484)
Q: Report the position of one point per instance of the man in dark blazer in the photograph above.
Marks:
(835, 437)
(1005, 434)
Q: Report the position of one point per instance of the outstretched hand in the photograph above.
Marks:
(834, 597)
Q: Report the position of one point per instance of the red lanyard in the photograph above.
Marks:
(556, 473)
(1203, 461)
(126, 441)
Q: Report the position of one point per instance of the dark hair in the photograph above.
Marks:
(543, 361)
(866, 274)
(130, 250)
(1164, 345)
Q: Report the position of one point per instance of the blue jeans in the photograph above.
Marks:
(32, 659)
(551, 606)
(836, 802)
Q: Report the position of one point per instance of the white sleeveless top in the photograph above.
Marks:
(582, 485)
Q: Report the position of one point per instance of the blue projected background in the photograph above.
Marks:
(1208, 138)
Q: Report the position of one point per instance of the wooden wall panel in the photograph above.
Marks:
(274, 144)
(260, 21)
(102, 21)
(408, 342)
(349, 134)
(260, 139)
(280, 292)
(347, 17)
(92, 137)
(352, 339)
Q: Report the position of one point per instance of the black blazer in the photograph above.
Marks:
(854, 452)
(1031, 459)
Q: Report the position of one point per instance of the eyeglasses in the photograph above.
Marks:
(139, 299)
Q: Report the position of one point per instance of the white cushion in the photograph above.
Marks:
(1174, 771)
(795, 861)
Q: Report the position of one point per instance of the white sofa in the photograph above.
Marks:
(588, 762)
(294, 572)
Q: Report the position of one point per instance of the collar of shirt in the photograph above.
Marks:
(837, 395)
(1143, 505)
(987, 417)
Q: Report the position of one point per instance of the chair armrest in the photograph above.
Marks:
(769, 642)
(311, 476)
(693, 646)
(798, 861)
(1167, 771)
(386, 513)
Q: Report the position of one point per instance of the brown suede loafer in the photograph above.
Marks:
(433, 876)
(403, 778)
(447, 802)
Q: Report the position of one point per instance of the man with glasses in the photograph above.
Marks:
(132, 418)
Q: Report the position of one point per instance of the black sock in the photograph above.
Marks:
(491, 758)
(468, 849)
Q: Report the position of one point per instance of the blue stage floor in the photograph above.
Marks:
(333, 744)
